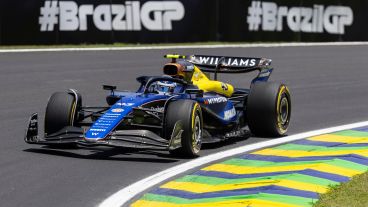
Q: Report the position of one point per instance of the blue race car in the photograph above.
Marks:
(178, 111)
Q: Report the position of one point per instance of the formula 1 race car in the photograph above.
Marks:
(177, 111)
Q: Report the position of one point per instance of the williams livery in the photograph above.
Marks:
(178, 111)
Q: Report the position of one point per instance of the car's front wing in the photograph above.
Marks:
(141, 139)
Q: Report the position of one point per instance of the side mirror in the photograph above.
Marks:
(109, 88)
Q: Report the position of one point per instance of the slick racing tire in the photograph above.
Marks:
(61, 111)
(268, 109)
(189, 113)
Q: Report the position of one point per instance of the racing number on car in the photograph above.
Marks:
(224, 86)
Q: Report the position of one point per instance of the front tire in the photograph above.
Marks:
(190, 114)
(268, 109)
(61, 111)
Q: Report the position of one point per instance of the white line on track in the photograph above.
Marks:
(194, 46)
(123, 196)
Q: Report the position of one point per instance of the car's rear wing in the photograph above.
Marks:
(227, 64)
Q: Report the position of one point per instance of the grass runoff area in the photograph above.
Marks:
(350, 194)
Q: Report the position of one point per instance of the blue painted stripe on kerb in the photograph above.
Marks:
(314, 173)
(349, 157)
(271, 189)
(328, 144)
(363, 129)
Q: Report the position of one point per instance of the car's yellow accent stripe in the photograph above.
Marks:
(204, 83)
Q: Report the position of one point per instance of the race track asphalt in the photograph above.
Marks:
(328, 85)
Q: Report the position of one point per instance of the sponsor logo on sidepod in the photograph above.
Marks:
(229, 114)
(125, 104)
(215, 100)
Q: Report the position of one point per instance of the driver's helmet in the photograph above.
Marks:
(180, 69)
(164, 87)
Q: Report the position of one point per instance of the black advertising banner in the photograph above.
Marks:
(312, 20)
(108, 21)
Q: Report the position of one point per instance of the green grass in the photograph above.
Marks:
(350, 194)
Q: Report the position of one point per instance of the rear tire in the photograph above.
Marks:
(190, 114)
(61, 111)
(268, 109)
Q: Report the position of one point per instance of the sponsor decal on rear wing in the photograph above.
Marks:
(228, 64)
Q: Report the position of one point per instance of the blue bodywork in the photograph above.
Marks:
(221, 108)
(218, 106)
